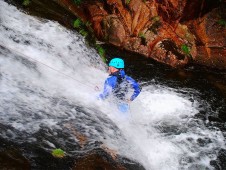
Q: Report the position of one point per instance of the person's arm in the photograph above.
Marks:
(107, 90)
(135, 86)
(109, 84)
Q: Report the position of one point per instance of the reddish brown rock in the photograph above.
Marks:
(167, 52)
(96, 13)
(160, 28)
(13, 159)
(171, 10)
(117, 8)
(100, 159)
(97, 159)
(211, 40)
(114, 31)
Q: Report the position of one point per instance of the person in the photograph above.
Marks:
(119, 84)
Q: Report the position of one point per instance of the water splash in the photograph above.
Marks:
(162, 132)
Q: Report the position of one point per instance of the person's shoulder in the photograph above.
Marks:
(111, 78)
(128, 77)
(131, 80)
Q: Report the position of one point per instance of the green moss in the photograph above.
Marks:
(58, 153)
(77, 23)
(222, 22)
(127, 2)
(155, 18)
(78, 2)
(185, 49)
(88, 24)
(83, 32)
(143, 38)
(26, 2)
(101, 51)
(141, 35)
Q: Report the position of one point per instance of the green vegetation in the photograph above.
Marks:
(78, 2)
(155, 18)
(127, 2)
(88, 24)
(156, 24)
(77, 23)
(58, 153)
(83, 32)
(185, 49)
(143, 38)
(101, 51)
(26, 2)
(141, 35)
(222, 22)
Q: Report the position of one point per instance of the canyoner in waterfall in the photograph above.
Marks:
(119, 84)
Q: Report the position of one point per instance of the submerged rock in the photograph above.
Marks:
(32, 156)
(100, 159)
(11, 158)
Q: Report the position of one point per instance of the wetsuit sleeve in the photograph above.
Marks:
(135, 86)
(107, 90)
(109, 84)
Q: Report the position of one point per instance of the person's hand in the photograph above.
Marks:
(128, 101)
(98, 97)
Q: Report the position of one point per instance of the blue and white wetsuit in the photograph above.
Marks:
(118, 84)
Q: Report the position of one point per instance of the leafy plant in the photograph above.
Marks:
(141, 35)
(77, 23)
(77, 2)
(83, 32)
(88, 24)
(155, 18)
(185, 49)
(143, 38)
(127, 2)
(101, 52)
(222, 22)
(59, 153)
(81, 26)
(26, 2)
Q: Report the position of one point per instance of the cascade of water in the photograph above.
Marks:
(161, 133)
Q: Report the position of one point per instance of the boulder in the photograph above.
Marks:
(173, 32)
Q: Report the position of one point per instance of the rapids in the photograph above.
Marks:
(48, 76)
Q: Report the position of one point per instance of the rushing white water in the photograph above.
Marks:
(42, 64)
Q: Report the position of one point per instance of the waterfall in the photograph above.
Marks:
(47, 78)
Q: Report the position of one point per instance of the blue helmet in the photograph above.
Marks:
(117, 63)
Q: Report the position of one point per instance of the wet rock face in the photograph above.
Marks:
(100, 159)
(171, 10)
(144, 27)
(11, 158)
(211, 39)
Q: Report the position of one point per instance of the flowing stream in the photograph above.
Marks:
(48, 77)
